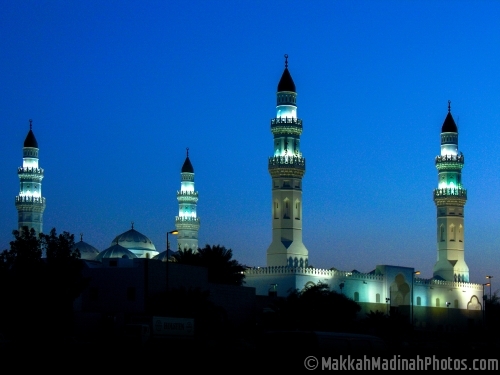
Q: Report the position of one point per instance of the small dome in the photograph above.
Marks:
(115, 251)
(163, 255)
(87, 252)
(286, 82)
(30, 140)
(133, 240)
(187, 167)
(449, 125)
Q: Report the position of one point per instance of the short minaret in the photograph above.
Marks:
(287, 167)
(29, 203)
(187, 223)
(450, 198)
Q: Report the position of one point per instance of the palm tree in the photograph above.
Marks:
(187, 256)
(222, 269)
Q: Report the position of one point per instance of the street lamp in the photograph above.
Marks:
(484, 299)
(174, 232)
(387, 299)
(448, 308)
(490, 277)
(412, 295)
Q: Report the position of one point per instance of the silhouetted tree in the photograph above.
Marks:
(36, 294)
(222, 269)
(63, 278)
(492, 316)
(186, 257)
(25, 251)
(316, 307)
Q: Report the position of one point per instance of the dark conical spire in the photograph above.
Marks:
(286, 82)
(449, 125)
(187, 167)
(30, 140)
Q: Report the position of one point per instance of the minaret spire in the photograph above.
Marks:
(287, 167)
(29, 202)
(187, 223)
(450, 198)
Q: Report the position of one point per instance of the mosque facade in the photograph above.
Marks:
(447, 299)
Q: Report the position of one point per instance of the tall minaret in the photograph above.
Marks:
(29, 203)
(287, 167)
(450, 198)
(187, 223)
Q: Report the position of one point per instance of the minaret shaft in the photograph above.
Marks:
(30, 203)
(187, 223)
(286, 167)
(450, 198)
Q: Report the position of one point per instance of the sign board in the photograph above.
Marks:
(173, 326)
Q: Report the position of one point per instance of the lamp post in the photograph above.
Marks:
(387, 299)
(484, 300)
(167, 255)
(412, 296)
(490, 277)
(448, 313)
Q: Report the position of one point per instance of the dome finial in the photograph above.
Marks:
(31, 124)
(449, 106)
(132, 224)
(286, 60)
(187, 152)
(81, 236)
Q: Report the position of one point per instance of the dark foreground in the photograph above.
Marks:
(242, 354)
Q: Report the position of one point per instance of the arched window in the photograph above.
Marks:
(437, 302)
(452, 232)
(286, 209)
(377, 298)
(276, 207)
(441, 235)
(419, 301)
(356, 297)
(461, 233)
(455, 304)
(297, 210)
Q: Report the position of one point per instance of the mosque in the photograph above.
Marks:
(447, 301)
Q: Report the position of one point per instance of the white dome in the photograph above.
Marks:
(87, 252)
(137, 243)
(115, 251)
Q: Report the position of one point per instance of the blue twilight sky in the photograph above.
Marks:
(118, 89)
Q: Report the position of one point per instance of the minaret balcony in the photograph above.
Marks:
(286, 125)
(182, 219)
(187, 223)
(287, 166)
(28, 170)
(449, 162)
(287, 162)
(37, 203)
(187, 196)
(450, 192)
(187, 193)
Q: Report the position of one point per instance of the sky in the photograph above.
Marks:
(117, 90)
